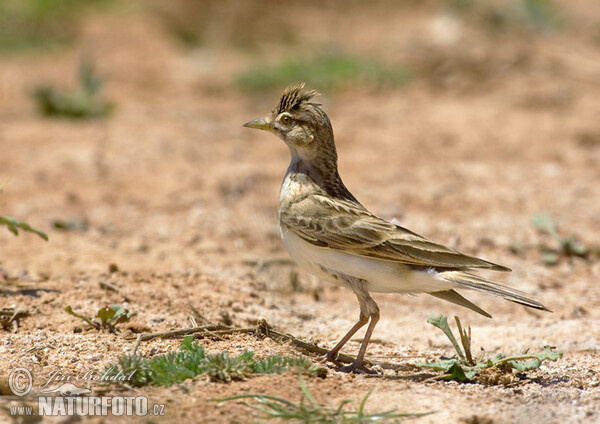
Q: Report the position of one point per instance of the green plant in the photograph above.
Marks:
(34, 25)
(308, 410)
(536, 15)
(465, 367)
(566, 246)
(191, 360)
(563, 247)
(71, 225)
(326, 71)
(84, 102)
(109, 317)
(13, 226)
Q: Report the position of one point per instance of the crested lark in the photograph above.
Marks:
(330, 234)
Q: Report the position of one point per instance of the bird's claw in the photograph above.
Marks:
(330, 357)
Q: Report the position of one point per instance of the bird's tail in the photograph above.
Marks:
(469, 281)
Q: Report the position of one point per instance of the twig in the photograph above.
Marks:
(412, 377)
(436, 378)
(181, 332)
(14, 313)
(13, 318)
(263, 328)
(136, 345)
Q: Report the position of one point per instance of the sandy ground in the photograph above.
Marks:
(183, 200)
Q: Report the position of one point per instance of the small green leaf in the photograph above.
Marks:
(472, 372)
(89, 82)
(548, 354)
(456, 373)
(572, 247)
(121, 314)
(531, 364)
(530, 361)
(13, 225)
(69, 310)
(443, 365)
(105, 314)
(550, 257)
(545, 224)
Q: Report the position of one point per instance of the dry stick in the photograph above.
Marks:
(14, 314)
(265, 329)
(136, 345)
(435, 378)
(182, 332)
(214, 334)
(413, 377)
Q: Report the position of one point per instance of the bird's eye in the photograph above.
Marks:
(286, 119)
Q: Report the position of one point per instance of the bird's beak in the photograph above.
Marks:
(259, 124)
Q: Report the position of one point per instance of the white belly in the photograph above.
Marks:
(381, 276)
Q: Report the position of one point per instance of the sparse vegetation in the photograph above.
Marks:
(34, 25)
(465, 367)
(329, 71)
(13, 226)
(308, 410)
(83, 102)
(191, 360)
(80, 224)
(561, 247)
(503, 16)
(243, 25)
(109, 317)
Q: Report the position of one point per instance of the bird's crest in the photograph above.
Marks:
(293, 97)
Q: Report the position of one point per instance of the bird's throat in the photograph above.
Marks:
(321, 171)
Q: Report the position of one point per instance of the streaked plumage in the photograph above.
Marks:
(329, 233)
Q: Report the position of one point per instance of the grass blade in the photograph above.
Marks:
(441, 322)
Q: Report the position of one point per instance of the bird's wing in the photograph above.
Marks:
(347, 226)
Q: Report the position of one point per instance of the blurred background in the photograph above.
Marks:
(121, 137)
(475, 123)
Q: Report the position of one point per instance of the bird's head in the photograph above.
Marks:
(301, 124)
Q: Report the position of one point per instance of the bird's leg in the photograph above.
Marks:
(357, 366)
(368, 309)
(332, 354)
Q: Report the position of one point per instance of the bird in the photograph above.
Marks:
(330, 234)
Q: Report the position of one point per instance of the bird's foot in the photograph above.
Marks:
(330, 357)
(357, 368)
